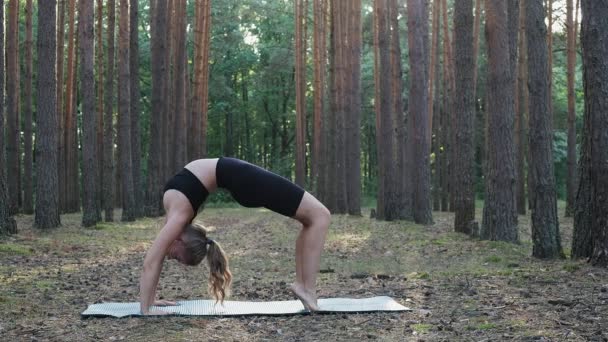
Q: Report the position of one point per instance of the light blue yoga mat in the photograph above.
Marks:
(237, 308)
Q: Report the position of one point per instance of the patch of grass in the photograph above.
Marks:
(571, 267)
(421, 328)
(43, 284)
(518, 323)
(15, 249)
(423, 275)
(494, 259)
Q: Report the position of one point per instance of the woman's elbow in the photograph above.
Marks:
(151, 263)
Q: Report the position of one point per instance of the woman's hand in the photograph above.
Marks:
(162, 302)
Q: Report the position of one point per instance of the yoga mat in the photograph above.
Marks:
(237, 308)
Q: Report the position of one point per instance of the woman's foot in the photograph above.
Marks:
(308, 298)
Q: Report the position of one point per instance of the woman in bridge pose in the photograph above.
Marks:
(251, 186)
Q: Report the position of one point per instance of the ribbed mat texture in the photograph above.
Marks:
(236, 308)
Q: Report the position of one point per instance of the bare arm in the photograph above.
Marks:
(153, 263)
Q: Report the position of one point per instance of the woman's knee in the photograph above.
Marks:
(322, 217)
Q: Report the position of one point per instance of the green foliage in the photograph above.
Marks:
(421, 328)
(14, 249)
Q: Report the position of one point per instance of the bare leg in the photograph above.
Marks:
(299, 246)
(309, 246)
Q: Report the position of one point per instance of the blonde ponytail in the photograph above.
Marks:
(198, 246)
(220, 277)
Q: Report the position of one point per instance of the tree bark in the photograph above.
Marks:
(464, 105)
(448, 113)
(60, 81)
(135, 108)
(108, 129)
(124, 119)
(205, 75)
(47, 183)
(476, 29)
(179, 95)
(70, 129)
(89, 116)
(571, 65)
(434, 95)
(499, 214)
(594, 171)
(545, 225)
(7, 222)
(418, 32)
(12, 107)
(521, 115)
(100, 112)
(320, 53)
(300, 71)
(403, 190)
(549, 36)
(159, 65)
(28, 191)
(353, 116)
(336, 181)
(387, 208)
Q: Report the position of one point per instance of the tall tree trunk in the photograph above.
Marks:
(300, 71)
(60, 113)
(135, 108)
(594, 34)
(194, 118)
(545, 224)
(443, 113)
(434, 108)
(331, 188)
(448, 123)
(159, 65)
(343, 104)
(549, 36)
(418, 32)
(571, 65)
(206, 47)
(28, 191)
(476, 29)
(387, 205)
(403, 189)
(353, 120)
(124, 119)
(71, 205)
(108, 129)
(167, 93)
(47, 183)
(499, 214)
(100, 112)
(180, 131)
(520, 116)
(337, 194)
(7, 222)
(12, 107)
(464, 148)
(89, 116)
(320, 52)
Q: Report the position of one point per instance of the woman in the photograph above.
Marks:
(251, 186)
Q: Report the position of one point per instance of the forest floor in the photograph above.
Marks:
(459, 289)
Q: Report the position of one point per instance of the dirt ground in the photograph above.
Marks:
(459, 289)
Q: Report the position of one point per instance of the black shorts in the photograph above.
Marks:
(252, 186)
(189, 185)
